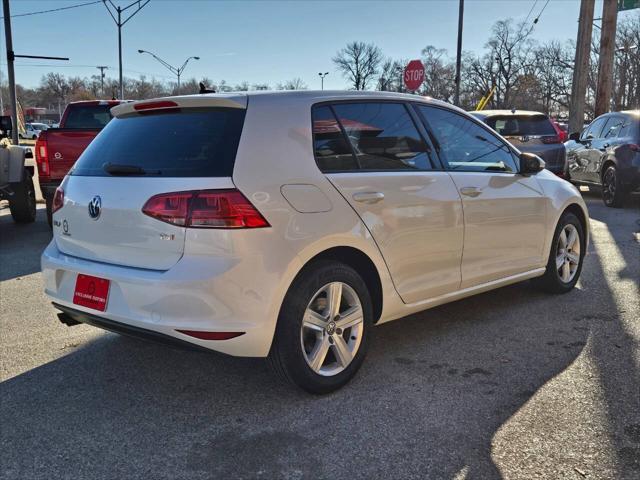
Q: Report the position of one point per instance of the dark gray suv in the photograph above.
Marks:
(607, 154)
(530, 132)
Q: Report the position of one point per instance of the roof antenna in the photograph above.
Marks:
(204, 89)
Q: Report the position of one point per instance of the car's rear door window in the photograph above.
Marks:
(383, 136)
(465, 145)
(630, 128)
(612, 128)
(188, 143)
(332, 151)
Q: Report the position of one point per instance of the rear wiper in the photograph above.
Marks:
(115, 169)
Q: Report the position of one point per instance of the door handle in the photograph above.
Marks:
(470, 191)
(368, 197)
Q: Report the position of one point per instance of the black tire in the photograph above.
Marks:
(287, 357)
(551, 281)
(49, 204)
(22, 203)
(612, 189)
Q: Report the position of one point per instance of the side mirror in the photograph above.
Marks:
(28, 153)
(575, 136)
(530, 164)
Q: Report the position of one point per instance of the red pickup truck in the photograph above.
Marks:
(57, 149)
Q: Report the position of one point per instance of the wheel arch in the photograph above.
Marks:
(361, 263)
(608, 162)
(579, 212)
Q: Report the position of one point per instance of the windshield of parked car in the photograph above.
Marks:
(514, 125)
(88, 116)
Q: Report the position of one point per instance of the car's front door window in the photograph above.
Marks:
(594, 130)
(465, 145)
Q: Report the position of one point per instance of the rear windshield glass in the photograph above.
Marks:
(526, 125)
(190, 143)
(88, 116)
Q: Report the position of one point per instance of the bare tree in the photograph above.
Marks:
(439, 74)
(293, 84)
(391, 73)
(627, 64)
(509, 47)
(359, 63)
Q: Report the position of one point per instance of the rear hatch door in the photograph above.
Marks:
(139, 154)
(530, 133)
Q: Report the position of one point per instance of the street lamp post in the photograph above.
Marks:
(322, 75)
(175, 70)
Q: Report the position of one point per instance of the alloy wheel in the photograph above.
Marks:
(332, 329)
(568, 253)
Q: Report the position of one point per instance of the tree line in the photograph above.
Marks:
(56, 90)
(526, 74)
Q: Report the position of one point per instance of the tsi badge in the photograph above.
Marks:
(95, 207)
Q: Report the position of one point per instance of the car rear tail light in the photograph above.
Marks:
(551, 139)
(205, 209)
(634, 147)
(42, 158)
(211, 335)
(58, 200)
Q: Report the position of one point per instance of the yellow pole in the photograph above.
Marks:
(485, 100)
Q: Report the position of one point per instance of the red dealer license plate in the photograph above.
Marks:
(91, 292)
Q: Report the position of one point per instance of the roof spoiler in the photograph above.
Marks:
(234, 100)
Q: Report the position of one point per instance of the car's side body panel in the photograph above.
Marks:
(418, 226)
(504, 225)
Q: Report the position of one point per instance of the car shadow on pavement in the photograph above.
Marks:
(17, 238)
(428, 402)
(614, 348)
(431, 395)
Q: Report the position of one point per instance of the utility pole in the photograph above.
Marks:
(109, 5)
(102, 68)
(11, 56)
(605, 62)
(10, 71)
(581, 66)
(456, 98)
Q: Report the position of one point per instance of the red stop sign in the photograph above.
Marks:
(413, 75)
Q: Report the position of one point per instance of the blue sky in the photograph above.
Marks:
(261, 41)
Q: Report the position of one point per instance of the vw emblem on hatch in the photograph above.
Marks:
(95, 207)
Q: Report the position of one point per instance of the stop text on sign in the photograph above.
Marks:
(413, 75)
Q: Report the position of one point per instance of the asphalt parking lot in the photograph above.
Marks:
(510, 384)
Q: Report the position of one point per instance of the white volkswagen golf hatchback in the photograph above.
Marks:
(286, 225)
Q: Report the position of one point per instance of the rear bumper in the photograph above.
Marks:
(631, 174)
(198, 293)
(122, 328)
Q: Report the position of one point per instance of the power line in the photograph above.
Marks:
(538, 17)
(55, 9)
(529, 14)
